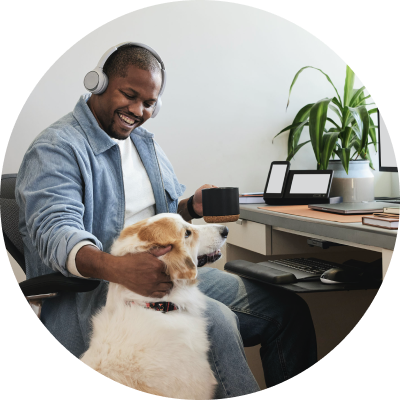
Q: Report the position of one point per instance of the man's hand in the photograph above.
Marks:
(198, 199)
(197, 203)
(142, 273)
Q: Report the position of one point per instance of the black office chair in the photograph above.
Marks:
(41, 287)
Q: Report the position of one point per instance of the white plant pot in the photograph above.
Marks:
(357, 185)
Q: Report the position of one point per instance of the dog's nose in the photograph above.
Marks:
(224, 232)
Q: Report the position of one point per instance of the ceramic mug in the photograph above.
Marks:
(221, 204)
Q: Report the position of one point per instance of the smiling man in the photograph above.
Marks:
(132, 90)
(97, 170)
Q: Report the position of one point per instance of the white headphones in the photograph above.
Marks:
(96, 81)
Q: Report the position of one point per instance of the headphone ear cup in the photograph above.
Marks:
(157, 108)
(96, 81)
(103, 83)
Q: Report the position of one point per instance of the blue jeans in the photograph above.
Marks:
(241, 313)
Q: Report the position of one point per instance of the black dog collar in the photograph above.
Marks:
(163, 306)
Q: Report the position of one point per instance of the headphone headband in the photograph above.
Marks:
(96, 81)
(108, 53)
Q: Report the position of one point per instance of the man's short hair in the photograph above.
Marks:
(117, 63)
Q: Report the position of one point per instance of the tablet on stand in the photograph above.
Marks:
(298, 187)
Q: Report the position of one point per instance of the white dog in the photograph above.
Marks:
(163, 353)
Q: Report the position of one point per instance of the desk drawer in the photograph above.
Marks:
(285, 243)
(251, 236)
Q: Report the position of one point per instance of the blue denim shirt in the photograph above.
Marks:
(70, 188)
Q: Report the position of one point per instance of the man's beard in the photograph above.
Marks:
(114, 134)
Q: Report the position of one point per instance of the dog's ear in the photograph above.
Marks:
(180, 264)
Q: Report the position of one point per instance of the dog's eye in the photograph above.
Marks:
(187, 233)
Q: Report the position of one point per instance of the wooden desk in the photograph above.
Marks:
(262, 235)
(262, 232)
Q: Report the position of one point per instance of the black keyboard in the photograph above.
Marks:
(311, 265)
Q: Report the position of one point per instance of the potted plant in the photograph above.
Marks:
(347, 137)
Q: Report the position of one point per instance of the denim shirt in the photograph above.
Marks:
(70, 188)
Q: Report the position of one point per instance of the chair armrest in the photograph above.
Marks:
(15, 253)
(56, 283)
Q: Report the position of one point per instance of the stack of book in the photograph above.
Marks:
(254, 197)
(391, 210)
(389, 219)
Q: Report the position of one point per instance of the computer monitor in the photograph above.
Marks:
(387, 159)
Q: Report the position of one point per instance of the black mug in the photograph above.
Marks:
(221, 204)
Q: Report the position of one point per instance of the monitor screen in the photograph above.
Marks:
(387, 159)
(310, 183)
(277, 178)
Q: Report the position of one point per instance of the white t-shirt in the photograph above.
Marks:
(139, 197)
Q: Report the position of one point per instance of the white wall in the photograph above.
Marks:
(229, 71)
(395, 184)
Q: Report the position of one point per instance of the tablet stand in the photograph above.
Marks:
(298, 187)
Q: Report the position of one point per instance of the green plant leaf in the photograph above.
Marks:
(356, 129)
(328, 144)
(372, 111)
(354, 142)
(348, 86)
(346, 136)
(372, 133)
(366, 156)
(361, 116)
(350, 119)
(337, 103)
(317, 121)
(355, 97)
(295, 133)
(345, 157)
(337, 112)
(363, 152)
(361, 101)
(297, 75)
(293, 126)
(333, 122)
(296, 149)
(337, 150)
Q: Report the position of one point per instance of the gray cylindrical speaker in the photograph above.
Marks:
(221, 204)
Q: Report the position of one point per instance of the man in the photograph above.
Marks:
(97, 170)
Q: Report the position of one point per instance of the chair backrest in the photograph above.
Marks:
(51, 283)
(9, 219)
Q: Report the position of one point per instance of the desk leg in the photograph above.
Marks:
(386, 257)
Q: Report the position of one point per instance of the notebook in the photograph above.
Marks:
(382, 220)
(248, 198)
